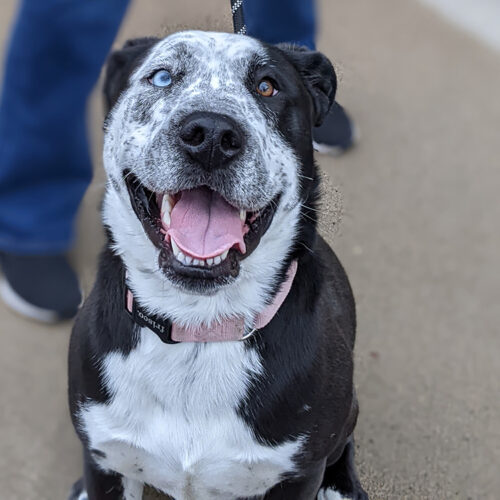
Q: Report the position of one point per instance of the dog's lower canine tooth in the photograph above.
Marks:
(224, 255)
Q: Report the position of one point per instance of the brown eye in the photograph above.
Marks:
(266, 89)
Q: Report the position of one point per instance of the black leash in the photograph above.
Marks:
(238, 21)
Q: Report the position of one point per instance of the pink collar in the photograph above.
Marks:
(230, 330)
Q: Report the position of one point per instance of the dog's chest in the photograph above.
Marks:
(172, 421)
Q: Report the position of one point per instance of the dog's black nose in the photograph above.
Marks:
(211, 139)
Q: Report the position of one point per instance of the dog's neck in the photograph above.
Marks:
(230, 329)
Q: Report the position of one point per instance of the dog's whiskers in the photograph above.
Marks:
(127, 175)
(307, 248)
(307, 207)
(309, 217)
(305, 177)
(328, 226)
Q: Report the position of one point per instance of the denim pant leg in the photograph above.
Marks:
(55, 55)
(275, 21)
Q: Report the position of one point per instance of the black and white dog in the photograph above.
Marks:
(214, 357)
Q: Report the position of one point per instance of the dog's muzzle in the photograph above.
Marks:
(202, 238)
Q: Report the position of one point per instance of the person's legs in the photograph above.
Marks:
(276, 21)
(294, 21)
(55, 55)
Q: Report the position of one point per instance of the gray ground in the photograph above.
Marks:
(418, 240)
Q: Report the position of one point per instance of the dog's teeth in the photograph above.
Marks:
(224, 255)
(185, 259)
(166, 204)
(166, 218)
(243, 215)
(175, 248)
(210, 262)
(217, 260)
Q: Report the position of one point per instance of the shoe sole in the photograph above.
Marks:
(325, 149)
(21, 306)
(337, 151)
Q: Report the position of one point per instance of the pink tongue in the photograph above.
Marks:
(204, 225)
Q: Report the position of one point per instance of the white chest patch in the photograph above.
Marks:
(172, 421)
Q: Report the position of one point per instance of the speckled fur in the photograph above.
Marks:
(208, 71)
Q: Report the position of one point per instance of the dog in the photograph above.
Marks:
(213, 358)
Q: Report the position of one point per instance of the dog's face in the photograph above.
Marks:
(209, 155)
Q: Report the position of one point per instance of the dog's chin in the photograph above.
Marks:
(198, 276)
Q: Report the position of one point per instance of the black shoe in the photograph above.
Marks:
(44, 288)
(337, 134)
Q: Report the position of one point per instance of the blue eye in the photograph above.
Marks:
(161, 78)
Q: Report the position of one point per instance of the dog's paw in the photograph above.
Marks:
(78, 491)
(330, 494)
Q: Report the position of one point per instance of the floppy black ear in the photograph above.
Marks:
(120, 65)
(318, 75)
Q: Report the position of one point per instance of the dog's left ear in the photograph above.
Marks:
(318, 75)
(121, 64)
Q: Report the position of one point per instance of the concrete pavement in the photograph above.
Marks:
(419, 239)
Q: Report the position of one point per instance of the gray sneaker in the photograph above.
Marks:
(337, 133)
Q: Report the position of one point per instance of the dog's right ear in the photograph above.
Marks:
(121, 64)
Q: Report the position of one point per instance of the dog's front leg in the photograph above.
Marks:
(304, 488)
(99, 485)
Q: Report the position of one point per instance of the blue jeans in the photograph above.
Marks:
(276, 21)
(55, 55)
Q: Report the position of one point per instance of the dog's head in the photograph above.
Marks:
(208, 151)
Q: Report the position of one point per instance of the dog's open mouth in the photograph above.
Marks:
(199, 234)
